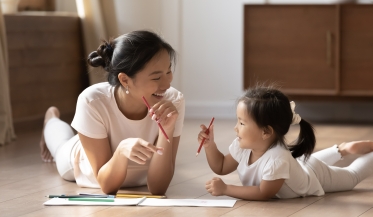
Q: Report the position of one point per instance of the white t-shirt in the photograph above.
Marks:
(277, 163)
(97, 116)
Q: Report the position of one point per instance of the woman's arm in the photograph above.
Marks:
(110, 168)
(101, 159)
(265, 191)
(162, 167)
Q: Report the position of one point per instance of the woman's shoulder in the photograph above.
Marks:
(97, 91)
(174, 95)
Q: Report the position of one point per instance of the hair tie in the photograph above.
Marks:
(296, 117)
(108, 46)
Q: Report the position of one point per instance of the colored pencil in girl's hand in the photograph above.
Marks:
(159, 125)
(207, 132)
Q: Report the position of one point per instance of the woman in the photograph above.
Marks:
(119, 143)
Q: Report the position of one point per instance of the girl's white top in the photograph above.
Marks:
(277, 163)
(97, 116)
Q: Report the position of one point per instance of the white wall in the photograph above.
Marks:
(212, 57)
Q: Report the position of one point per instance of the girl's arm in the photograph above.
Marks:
(265, 191)
(110, 168)
(219, 163)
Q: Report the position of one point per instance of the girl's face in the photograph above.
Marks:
(153, 80)
(248, 133)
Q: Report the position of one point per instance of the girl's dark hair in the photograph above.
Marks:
(128, 53)
(270, 107)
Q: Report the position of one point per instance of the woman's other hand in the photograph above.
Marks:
(138, 150)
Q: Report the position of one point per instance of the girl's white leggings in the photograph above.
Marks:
(334, 178)
(61, 141)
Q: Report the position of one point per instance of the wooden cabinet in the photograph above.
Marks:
(46, 63)
(356, 50)
(310, 49)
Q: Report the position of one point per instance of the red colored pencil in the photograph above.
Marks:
(207, 132)
(159, 125)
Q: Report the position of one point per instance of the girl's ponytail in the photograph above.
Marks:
(306, 141)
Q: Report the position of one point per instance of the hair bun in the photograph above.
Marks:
(96, 60)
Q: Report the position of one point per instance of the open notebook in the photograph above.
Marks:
(144, 202)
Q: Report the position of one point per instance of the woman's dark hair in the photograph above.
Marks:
(128, 53)
(270, 107)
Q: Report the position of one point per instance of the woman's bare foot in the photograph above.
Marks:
(356, 147)
(44, 152)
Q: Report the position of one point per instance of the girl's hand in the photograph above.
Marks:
(138, 150)
(165, 113)
(209, 138)
(216, 187)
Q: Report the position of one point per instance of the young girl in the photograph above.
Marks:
(267, 166)
(119, 143)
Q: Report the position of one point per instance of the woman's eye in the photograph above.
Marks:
(169, 72)
(241, 123)
(155, 79)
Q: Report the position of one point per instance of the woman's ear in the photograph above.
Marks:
(123, 79)
(267, 132)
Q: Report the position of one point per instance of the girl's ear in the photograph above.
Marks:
(267, 132)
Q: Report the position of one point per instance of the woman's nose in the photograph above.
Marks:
(166, 83)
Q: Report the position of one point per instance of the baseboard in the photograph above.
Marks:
(313, 111)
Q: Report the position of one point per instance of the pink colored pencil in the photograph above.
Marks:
(159, 125)
(207, 132)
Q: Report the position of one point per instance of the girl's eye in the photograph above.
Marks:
(156, 79)
(241, 123)
(169, 72)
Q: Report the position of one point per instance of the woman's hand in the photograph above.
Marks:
(209, 138)
(165, 113)
(138, 150)
(216, 187)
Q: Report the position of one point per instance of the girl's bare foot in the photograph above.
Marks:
(52, 112)
(356, 147)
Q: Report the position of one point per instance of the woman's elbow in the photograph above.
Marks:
(109, 190)
(158, 191)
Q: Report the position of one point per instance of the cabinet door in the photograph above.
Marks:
(357, 50)
(293, 46)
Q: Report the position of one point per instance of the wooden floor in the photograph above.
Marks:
(25, 180)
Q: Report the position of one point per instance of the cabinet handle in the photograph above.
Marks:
(329, 48)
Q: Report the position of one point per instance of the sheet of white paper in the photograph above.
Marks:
(187, 202)
(117, 202)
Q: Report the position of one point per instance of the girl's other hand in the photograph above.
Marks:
(216, 187)
(138, 150)
(209, 138)
(165, 113)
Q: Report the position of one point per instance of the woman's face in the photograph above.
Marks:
(153, 80)
(248, 133)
